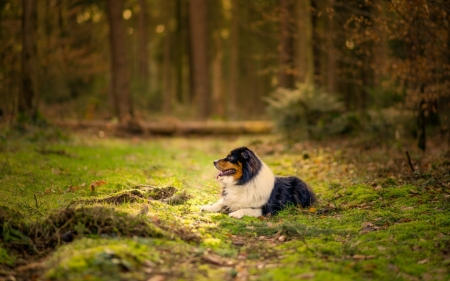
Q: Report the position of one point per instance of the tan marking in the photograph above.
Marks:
(238, 174)
(225, 165)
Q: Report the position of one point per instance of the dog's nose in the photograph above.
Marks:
(215, 162)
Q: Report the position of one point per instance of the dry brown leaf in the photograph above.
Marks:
(363, 257)
(72, 188)
(424, 261)
(306, 275)
(96, 184)
(157, 278)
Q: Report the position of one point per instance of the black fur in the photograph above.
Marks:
(286, 191)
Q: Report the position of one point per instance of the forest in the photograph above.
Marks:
(113, 111)
(368, 66)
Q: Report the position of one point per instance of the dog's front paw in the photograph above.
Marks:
(239, 214)
(210, 208)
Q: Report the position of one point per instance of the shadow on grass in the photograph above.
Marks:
(290, 229)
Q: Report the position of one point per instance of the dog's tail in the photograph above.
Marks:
(302, 193)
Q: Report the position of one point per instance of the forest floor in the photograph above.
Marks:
(88, 206)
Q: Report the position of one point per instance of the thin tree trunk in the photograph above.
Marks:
(315, 41)
(331, 53)
(286, 52)
(27, 100)
(198, 22)
(234, 60)
(167, 89)
(217, 78)
(143, 41)
(304, 63)
(120, 73)
(179, 50)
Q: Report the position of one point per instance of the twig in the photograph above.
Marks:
(37, 202)
(409, 161)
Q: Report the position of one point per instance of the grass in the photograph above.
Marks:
(61, 217)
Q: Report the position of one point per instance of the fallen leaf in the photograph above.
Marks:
(72, 188)
(423, 261)
(312, 210)
(367, 224)
(307, 275)
(363, 257)
(98, 183)
(157, 278)
(282, 238)
(214, 259)
(368, 227)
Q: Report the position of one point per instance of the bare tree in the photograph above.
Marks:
(286, 52)
(234, 59)
(143, 41)
(120, 75)
(199, 58)
(27, 100)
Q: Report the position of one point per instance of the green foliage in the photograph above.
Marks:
(6, 258)
(306, 111)
(391, 122)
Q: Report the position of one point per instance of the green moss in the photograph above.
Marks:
(101, 260)
(135, 240)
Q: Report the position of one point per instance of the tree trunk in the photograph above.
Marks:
(331, 53)
(167, 85)
(179, 51)
(143, 41)
(120, 73)
(234, 60)
(286, 51)
(217, 78)
(315, 42)
(27, 105)
(198, 22)
(304, 63)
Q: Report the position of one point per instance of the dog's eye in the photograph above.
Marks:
(230, 158)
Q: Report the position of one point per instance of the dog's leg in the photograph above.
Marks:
(214, 208)
(246, 212)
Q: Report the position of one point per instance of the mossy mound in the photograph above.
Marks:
(138, 194)
(71, 223)
(13, 230)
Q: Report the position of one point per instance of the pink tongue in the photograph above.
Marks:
(219, 174)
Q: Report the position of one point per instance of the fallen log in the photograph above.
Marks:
(175, 127)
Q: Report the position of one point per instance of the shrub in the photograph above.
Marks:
(306, 111)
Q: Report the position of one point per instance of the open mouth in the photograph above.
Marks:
(226, 172)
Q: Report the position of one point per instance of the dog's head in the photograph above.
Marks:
(239, 167)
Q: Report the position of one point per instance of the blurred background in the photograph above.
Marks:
(314, 67)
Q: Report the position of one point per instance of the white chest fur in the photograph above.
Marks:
(253, 194)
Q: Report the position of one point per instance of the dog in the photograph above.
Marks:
(249, 188)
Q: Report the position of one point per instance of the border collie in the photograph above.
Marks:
(249, 187)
